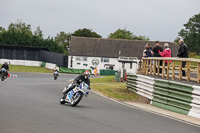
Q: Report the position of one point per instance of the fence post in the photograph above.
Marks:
(173, 70)
(154, 68)
(163, 70)
(150, 67)
(143, 66)
(167, 77)
(180, 70)
(188, 71)
(198, 76)
(147, 66)
(158, 68)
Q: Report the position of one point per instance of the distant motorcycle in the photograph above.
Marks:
(74, 96)
(55, 75)
(3, 74)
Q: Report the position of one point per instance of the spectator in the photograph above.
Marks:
(156, 53)
(95, 71)
(147, 52)
(149, 46)
(166, 53)
(183, 53)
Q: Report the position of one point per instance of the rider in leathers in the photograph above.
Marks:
(77, 81)
(5, 65)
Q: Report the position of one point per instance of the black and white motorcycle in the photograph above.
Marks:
(74, 96)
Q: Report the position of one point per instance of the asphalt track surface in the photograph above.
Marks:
(30, 104)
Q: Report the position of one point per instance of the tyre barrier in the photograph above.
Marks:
(169, 95)
(28, 63)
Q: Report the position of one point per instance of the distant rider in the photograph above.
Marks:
(77, 81)
(5, 65)
(56, 73)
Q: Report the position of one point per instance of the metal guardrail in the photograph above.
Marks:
(151, 66)
(169, 95)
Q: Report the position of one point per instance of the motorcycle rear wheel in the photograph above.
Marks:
(2, 76)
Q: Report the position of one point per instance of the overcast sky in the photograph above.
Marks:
(158, 19)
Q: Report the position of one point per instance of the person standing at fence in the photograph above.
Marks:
(147, 47)
(156, 53)
(166, 53)
(183, 53)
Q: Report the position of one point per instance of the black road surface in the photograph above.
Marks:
(30, 104)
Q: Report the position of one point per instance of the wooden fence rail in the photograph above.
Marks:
(152, 65)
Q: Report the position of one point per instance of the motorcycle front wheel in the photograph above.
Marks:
(76, 98)
(62, 101)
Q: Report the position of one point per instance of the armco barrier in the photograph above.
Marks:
(50, 66)
(140, 84)
(28, 63)
(169, 95)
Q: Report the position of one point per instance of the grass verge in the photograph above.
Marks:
(108, 87)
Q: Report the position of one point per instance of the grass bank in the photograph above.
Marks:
(108, 87)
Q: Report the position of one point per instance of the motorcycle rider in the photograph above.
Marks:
(56, 72)
(5, 65)
(77, 81)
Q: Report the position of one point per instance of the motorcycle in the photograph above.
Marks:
(3, 74)
(55, 75)
(74, 96)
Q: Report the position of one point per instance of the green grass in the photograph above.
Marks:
(106, 79)
(16, 68)
(107, 86)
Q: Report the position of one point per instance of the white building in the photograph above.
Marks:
(88, 53)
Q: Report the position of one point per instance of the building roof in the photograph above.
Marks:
(98, 47)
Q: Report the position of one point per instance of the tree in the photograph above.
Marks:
(140, 37)
(121, 34)
(125, 34)
(17, 34)
(63, 40)
(191, 34)
(20, 34)
(86, 33)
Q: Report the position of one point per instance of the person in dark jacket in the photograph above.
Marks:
(77, 81)
(5, 65)
(183, 53)
(156, 53)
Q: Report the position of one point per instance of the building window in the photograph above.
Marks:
(104, 59)
(81, 58)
